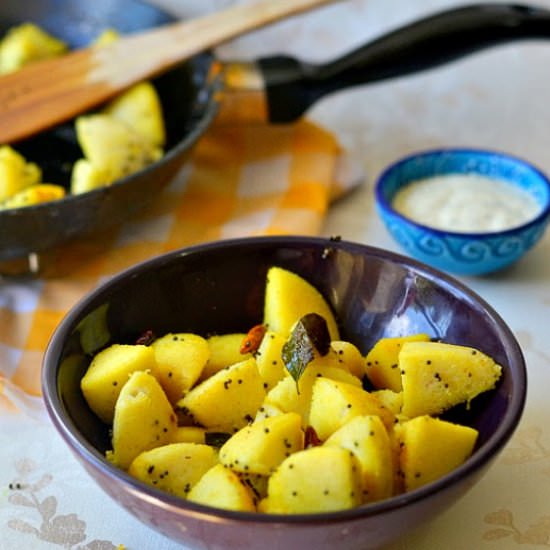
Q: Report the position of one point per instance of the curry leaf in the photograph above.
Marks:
(310, 334)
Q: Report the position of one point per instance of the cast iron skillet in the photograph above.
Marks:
(190, 99)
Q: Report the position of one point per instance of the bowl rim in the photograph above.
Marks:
(92, 458)
(386, 206)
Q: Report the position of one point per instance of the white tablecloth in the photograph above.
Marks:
(497, 99)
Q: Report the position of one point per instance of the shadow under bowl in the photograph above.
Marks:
(461, 253)
(219, 288)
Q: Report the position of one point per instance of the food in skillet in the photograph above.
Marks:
(123, 137)
(26, 43)
(20, 181)
(253, 422)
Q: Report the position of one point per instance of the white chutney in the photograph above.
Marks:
(466, 203)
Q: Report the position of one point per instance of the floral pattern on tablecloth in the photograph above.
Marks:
(31, 489)
(537, 533)
(527, 448)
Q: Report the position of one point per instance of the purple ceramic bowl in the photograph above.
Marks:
(219, 287)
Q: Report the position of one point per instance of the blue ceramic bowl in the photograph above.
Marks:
(473, 253)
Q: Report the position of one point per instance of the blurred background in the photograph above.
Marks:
(497, 98)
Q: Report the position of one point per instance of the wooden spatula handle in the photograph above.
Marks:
(48, 92)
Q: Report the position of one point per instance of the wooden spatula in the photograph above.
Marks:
(48, 92)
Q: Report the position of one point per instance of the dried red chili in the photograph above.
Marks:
(253, 339)
(147, 338)
(311, 438)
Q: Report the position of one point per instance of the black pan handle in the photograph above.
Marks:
(293, 86)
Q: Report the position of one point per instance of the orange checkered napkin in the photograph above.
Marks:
(241, 181)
